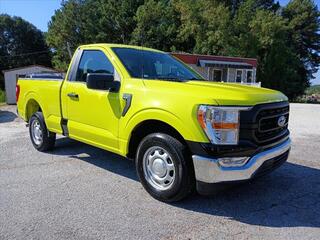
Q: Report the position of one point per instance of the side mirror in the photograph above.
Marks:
(102, 81)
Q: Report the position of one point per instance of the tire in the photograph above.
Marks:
(164, 167)
(42, 139)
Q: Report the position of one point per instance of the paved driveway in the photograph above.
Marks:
(81, 192)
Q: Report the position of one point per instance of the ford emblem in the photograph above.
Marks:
(281, 121)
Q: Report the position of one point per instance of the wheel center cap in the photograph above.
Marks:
(37, 133)
(159, 167)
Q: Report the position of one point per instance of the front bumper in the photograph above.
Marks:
(209, 170)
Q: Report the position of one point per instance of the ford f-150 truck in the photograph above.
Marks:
(183, 132)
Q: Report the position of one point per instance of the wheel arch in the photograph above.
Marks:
(153, 119)
(32, 107)
(147, 127)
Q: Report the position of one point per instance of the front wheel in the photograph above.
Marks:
(164, 167)
(42, 139)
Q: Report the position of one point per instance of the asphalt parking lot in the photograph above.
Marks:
(81, 192)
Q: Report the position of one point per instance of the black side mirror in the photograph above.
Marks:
(102, 81)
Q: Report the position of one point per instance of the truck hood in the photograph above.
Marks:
(217, 93)
(229, 94)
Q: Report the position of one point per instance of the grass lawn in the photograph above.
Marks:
(2, 96)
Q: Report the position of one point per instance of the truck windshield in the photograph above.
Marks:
(154, 65)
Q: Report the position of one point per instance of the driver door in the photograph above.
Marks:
(93, 115)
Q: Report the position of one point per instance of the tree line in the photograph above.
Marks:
(285, 40)
(21, 44)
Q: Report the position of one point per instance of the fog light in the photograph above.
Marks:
(233, 161)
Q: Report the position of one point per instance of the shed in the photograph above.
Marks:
(11, 77)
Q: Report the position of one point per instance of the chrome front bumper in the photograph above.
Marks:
(209, 170)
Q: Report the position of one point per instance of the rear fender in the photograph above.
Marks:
(33, 104)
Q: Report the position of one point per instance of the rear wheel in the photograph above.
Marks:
(41, 138)
(164, 167)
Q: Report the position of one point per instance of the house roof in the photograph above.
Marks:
(29, 66)
(196, 58)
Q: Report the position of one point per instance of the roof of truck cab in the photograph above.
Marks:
(114, 45)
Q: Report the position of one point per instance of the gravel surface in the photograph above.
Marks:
(81, 192)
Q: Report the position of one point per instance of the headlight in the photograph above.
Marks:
(221, 124)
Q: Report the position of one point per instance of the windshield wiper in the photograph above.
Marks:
(199, 79)
(170, 78)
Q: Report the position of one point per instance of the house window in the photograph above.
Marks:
(249, 76)
(239, 76)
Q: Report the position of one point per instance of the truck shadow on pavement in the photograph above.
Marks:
(288, 197)
(95, 156)
(7, 116)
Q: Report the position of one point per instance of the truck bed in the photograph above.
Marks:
(46, 91)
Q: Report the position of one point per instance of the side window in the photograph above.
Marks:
(93, 61)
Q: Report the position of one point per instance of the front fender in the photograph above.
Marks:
(187, 129)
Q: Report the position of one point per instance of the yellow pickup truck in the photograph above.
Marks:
(184, 133)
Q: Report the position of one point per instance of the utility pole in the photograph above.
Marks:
(69, 50)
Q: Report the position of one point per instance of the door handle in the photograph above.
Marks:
(73, 95)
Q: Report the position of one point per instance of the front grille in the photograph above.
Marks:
(267, 120)
(260, 124)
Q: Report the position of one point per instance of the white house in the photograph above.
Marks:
(221, 68)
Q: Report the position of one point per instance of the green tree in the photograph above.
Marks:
(278, 63)
(262, 4)
(111, 20)
(262, 33)
(304, 25)
(157, 25)
(206, 24)
(89, 21)
(66, 32)
(21, 44)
